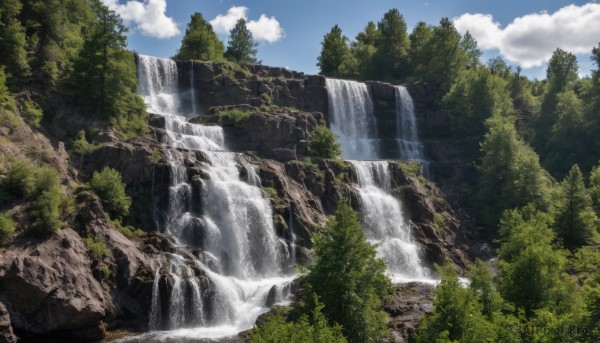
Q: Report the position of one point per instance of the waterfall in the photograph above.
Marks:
(407, 134)
(353, 121)
(240, 269)
(351, 118)
(384, 222)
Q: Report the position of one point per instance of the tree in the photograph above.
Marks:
(420, 49)
(391, 59)
(348, 278)
(457, 315)
(363, 50)
(448, 57)
(482, 284)
(510, 173)
(12, 38)
(200, 42)
(105, 74)
(560, 76)
(323, 143)
(107, 184)
(595, 189)
(334, 50)
(575, 220)
(531, 269)
(469, 45)
(241, 46)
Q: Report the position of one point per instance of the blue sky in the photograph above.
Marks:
(292, 30)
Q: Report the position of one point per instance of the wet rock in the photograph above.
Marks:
(408, 304)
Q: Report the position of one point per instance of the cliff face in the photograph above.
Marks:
(54, 286)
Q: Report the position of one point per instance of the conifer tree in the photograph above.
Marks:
(200, 42)
(334, 50)
(349, 278)
(241, 46)
(391, 59)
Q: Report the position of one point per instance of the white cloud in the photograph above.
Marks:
(267, 29)
(148, 16)
(530, 40)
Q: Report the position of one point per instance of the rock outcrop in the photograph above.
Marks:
(48, 287)
(6, 331)
(406, 306)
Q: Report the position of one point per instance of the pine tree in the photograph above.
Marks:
(420, 54)
(348, 278)
(391, 59)
(575, 221)
(241, 46)
(200, 42)
(105, 74)
(334, 50)
(12, 38)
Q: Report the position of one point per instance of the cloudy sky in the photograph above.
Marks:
(289, 32)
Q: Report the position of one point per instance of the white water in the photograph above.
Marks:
(407, 134)
(352, 120)
(240, 272)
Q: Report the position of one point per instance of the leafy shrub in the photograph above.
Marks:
(127, 230)
(107, 184)
(438, 221)
(235, 116)
(323, 143)
(46, 210)
(32, 113)
(266, 99)
(271, 191)
(20, 180)
(97, 247)
(275, 329)
(7, 227)
(6, 100)
(81, 145)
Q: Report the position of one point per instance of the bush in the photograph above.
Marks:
(6, 99)
(32, 113)
(266, 99)
(275, 329)
(81, 146)
(108, 186)
(46, 212)
(20, 181)
(323, 143)
(97, 247)
(234, 116)
(7, 227)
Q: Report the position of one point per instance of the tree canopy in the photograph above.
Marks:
(200, 42)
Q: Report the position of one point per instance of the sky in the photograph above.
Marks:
(289, 32)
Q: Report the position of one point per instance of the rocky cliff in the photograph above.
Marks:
(54, 286)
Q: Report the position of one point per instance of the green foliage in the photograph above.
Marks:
(200, 41)
(105, 74)
(20, 180)
(531, 268)
(81, 146)
(32, 113)
(438, 221)
(7, 227)
(420, 49)
(241, 46)
(334, 50)
(348, 278)
(304, 330)
(595, 189)
(12, 38)
(266, 99)
(482, 284)
(457, 315)
(234, 116)
(576, 221)
(107, 184)
(323, 143)
(97, 247)
(127, 230)
(391, 58)
(510, 173)
(6, 99)
(271, 191)
(46, 211)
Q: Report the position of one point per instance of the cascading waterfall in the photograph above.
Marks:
(384, 222)
(352, 120)
(241, 269)
(407, 134)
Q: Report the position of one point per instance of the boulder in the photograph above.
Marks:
(48, 286)
(6, 331)
(406, 306)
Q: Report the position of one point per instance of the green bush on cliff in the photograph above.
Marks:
(32, 113)
(48, 207)
(323, 143)
(81, 145)
(107, 184)
(97, 247)
(7, 227)
(234, 116)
